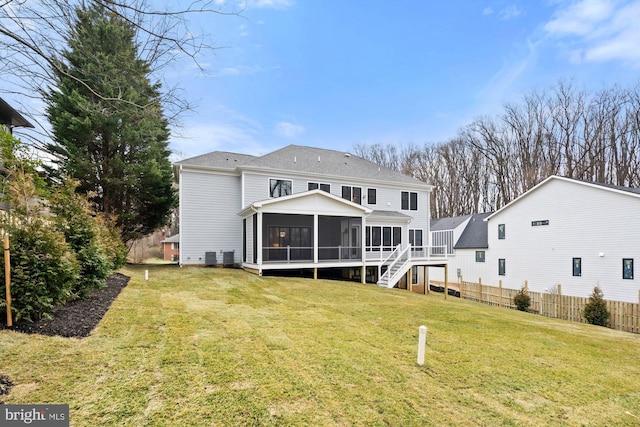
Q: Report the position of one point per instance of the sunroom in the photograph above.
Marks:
(303, 230)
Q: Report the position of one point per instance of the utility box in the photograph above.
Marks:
(210, 259)
(228, 258)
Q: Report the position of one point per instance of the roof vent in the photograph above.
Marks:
(347, 155)
(318, 158)
(295, 159)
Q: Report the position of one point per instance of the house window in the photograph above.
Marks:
(415, 238)
(414, 275)
(279, 187)
(627, 268)
(371, 196)
(501, 231)
(577, 267)
(409, 201)
(175, 246)
(502, 267)
(479, 256)
(318, 185)
(353, 194)
(387, 237)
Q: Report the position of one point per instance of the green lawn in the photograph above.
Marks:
(198, 346)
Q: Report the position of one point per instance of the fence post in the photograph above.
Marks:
(446, 280)
(561, 311)
(7, 278)
(479, 289)
(500, 286)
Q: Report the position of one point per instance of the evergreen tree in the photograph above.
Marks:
(595, 311)
(116, 144)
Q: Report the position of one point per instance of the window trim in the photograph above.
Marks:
(282, 180)
(351, 193)
(409, 200)
(375, 196)
(576, 264)
(502, 231)
(481, 258)
(625, 275)
(319, 186)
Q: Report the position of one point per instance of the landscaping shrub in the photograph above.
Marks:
(73, 217)
(522, 300)
(595, 311)
(43, 269)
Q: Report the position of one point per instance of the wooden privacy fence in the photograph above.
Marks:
(625, 316)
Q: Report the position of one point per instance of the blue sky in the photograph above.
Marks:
(335, 73)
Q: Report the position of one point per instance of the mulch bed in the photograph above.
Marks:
(78, 318)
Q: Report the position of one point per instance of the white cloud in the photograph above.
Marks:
(509, 12)
(487, 11)
(235, 71)
(288, 130)
(598, 31)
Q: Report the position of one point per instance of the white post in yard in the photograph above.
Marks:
(146, 275)
(422, 342)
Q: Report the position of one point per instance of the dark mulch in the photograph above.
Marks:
(76, 319)
(5, 385)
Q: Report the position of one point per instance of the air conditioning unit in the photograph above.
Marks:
(210, 259)
(228, 258)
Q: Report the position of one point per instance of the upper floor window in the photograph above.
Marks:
(480, 256)
(353, 194)
(371, 196)
(409, 200)
(279, 187)
(501, 231)
(317, 185)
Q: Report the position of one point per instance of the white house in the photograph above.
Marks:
(305, 209)
(569, 232)
(563, 231)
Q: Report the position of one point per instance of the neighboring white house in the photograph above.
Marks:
(304, 208)
(563, 231)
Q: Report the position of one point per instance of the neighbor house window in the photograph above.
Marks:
(175, 246)
(577, 267)
(371, 196)
(409, 200)
(479, 256)
(501, 231)
(627, 268)
(502, 267)
(353, 194)
(318, 185)
(279, 187)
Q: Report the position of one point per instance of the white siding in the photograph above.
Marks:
(209, 204)
(584, 222)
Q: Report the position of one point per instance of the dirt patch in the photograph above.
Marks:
(78, 318)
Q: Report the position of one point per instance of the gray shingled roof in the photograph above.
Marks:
(449, 223)
(301, 159)
(218, 159)
(389, 214)
(173, 239)
(475, 235)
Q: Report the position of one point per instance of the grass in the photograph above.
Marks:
(198, 346)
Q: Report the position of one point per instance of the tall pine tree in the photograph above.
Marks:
(115, 144)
